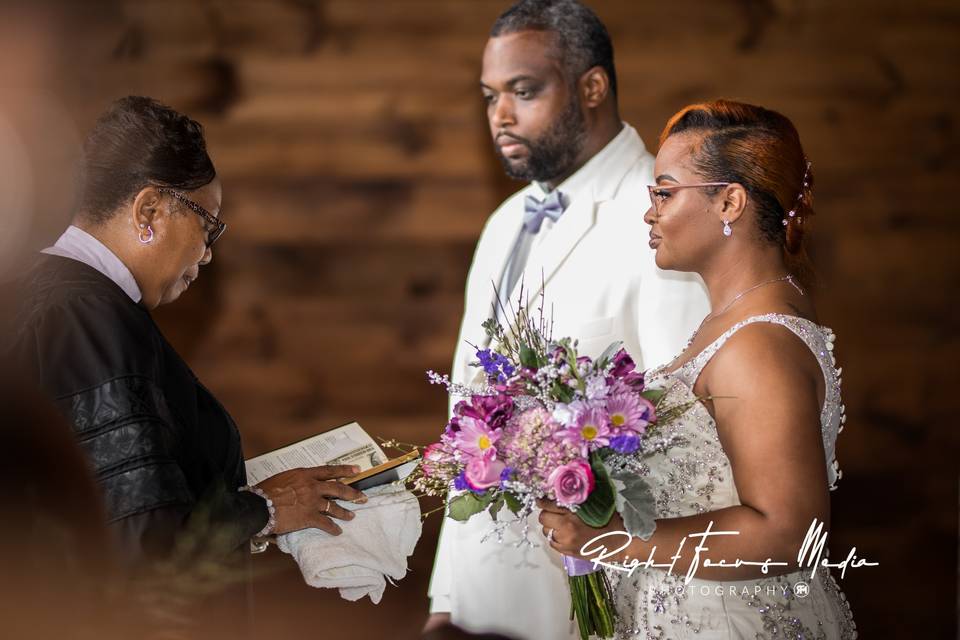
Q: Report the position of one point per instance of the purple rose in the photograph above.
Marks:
(634, 380)
(571, 483)
(483, 473)
(622, 364)
(624, 371)
(493, 411)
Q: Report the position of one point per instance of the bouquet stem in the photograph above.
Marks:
(591, 599)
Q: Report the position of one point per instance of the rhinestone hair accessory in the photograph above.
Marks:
(803, 188)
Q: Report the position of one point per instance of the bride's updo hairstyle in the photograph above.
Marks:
(761, 150)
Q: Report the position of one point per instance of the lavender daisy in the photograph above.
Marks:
(591, 431)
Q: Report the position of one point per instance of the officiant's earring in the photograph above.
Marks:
(727, 231)
(149, 237)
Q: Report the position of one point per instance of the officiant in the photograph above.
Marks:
(166, 454)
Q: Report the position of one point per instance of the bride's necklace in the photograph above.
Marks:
(786, 278)
(711, 315)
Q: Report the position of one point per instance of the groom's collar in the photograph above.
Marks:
(600, 177)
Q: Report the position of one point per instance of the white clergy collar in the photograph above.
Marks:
(77, 244)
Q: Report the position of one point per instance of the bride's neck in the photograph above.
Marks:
(729, 276)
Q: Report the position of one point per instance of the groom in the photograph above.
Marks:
(550, 88)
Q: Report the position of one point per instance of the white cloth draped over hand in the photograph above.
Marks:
(372, 549)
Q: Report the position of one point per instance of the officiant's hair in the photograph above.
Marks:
(582, 37)
(760, 149)
(136, 143)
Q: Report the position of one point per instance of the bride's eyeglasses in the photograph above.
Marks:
(660, 193)
(214, 225)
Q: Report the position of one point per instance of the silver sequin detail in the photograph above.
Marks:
(692, 475)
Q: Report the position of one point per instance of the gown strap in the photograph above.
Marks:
(806, 330)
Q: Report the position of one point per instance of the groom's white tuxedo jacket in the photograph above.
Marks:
(601, 286)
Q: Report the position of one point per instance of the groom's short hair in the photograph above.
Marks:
(581, 36)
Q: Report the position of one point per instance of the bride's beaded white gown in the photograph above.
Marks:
(694, 476)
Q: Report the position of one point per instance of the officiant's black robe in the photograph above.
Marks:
(165, 452)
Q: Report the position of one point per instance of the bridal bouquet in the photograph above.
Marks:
(549, 423)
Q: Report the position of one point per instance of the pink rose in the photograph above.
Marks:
(483, 473)
(571, 483)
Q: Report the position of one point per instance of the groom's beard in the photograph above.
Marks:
(553, 153)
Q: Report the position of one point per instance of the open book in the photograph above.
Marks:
(348, 444)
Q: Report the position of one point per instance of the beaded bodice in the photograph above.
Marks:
(690, 473)
(693, 475)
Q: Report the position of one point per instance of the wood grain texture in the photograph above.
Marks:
(358, 173)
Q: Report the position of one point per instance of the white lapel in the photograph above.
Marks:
(500, 239)
(545, 259)
(598, 180)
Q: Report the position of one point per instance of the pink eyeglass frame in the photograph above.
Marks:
(653, 188)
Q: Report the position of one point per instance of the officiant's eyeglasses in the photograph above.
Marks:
(214, 225)
(660, 193)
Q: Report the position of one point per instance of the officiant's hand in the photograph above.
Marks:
(305, 498)
(570, 533)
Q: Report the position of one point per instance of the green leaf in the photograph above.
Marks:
(653, 395)
(513, 503)
(636, 505)
(495, 507)
(562, 393)
(491, 327)
(600, 505)
(528, 357)
(571, 356)
(466, 505)
(604, 453)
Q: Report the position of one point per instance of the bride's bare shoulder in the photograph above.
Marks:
(762, 354)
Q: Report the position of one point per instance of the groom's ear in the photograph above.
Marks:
(594, 87)
(734, 202)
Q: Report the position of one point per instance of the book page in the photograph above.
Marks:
(348, 444)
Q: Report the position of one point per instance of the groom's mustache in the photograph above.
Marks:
(512, 138)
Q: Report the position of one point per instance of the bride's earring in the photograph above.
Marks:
(727, 231)
(149, 238)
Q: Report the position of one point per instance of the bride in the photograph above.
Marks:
(754, 454)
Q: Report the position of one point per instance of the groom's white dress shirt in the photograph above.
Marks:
(601, 285)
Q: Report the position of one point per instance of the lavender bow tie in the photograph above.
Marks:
(534, 211)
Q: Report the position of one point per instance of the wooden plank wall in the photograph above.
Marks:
(357, 174)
